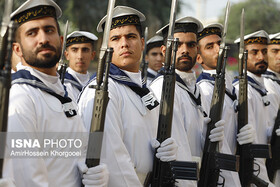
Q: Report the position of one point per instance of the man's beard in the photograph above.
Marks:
(47, 61)
(186, 65)
(260, 71)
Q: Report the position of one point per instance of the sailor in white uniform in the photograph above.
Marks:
(272, 84)
(131, 121)
(258, 101)
(79, 52)
(189, 117)
(40, 105)
(154, 57)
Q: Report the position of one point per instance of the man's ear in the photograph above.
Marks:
(93, 55)
(143, 43)
(163, 49)
(17, 49)
(66, 54)
(199, 59)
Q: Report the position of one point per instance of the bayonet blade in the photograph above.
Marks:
(241, 46)
(223, 42)
(64, 43)
(6, 16)
(107, 29)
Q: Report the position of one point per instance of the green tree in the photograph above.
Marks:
(259, 15)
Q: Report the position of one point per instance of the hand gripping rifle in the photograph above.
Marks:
(273, 164)
(62, 65)
(212, 160)
(165, 173)
(101, 98)
(6, 43)
(247, 152)
(144, 63)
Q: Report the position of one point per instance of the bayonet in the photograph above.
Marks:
(241, 46)
(62, 64)
(223, 42)
(144, 64)
(104, 45)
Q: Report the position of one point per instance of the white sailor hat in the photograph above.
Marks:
(33, 9)
(214, 28)
(123, 15)
(80, 37)
(274, 38)
(155, 41)
(260, 37)
(185, 24)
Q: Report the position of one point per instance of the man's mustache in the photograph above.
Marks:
(45, 46)
(185, 56)
(261, 62)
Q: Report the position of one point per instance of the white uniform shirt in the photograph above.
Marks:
(81, 78)
(34, 110)
(273, 89)
(228, 114)
(129, 128)
(187, 122)
(257, 116)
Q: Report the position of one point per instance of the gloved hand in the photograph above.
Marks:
(95, 176)
(217, 134)
(7, 182)
(278, 132)
(167, 150)
(246, 134)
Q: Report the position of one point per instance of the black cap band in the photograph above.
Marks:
(34, 13)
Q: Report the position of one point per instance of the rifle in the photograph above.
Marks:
(165, 173)
(6, 43)
(212, 160)
(144, 63)
(273, 164)
(247, 152)
(101, 98)
(62, 65)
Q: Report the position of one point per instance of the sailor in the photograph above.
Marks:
(188, 116)
(258, 101)
(154, 57)
(79, 52)
(40, 105)
(132, 115)
(272, 84)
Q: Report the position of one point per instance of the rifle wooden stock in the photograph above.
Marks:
(273, 164)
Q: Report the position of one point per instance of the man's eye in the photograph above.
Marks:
(114, 39)
(31, 33)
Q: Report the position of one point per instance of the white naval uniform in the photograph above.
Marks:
(190, 117)
(81, 78)
(273, 89)
(34, 110)
(151, 74)
(257, 116)
(228, 114)
(129, 128)
(187, 121)
(230, 117)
